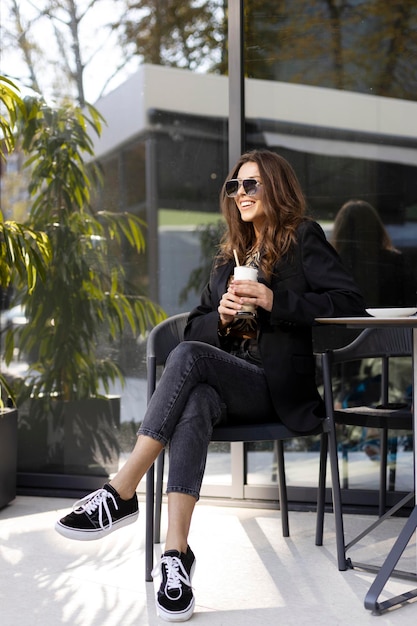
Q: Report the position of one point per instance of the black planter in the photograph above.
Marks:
(67, 448)
(8, 455)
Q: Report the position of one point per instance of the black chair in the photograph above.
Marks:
(376, 343)
(162, 339)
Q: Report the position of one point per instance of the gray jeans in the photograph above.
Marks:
(201, 386)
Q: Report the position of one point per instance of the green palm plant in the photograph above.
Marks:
(82, 304)
(24, 251)
(83, 298)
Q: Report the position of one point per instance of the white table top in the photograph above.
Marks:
(370, 321)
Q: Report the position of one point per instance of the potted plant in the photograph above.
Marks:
(82, 304)
(24, 254)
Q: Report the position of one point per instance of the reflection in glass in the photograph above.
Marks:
(366, 249)
(318, 76)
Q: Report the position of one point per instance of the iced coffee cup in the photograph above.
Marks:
(244, 272)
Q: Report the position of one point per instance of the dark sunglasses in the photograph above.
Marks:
(250, 185)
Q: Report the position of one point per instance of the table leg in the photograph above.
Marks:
(414, 398)
(371, 599)
(386, 570)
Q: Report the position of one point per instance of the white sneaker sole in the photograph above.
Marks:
(94, 533)
(184, 616)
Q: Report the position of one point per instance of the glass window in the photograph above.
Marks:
(332, 87)
(170, 174)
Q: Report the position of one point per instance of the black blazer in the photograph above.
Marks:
(309, 282)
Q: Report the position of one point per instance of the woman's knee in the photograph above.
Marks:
(185, 350)
(203, 410)
(207, 399)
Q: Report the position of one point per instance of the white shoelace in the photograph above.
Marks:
(176, 574)
(97, 499)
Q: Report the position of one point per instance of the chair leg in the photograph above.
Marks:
(160, 463)
(282, 485)
(345, 467)
(337, 498)
(383, 472)
(321, 489)
(149, 522)
(392, 465)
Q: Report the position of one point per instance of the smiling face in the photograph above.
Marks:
(251, 208)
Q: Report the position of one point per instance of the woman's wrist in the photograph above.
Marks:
(223, 328)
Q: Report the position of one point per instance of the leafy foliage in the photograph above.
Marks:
(177, 34)
(82, 301)
(12, 103)
(24, 252)
(210, 236)
(358, 45)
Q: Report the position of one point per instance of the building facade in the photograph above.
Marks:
(332, 86)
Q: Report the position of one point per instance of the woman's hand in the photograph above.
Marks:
(242, 292)
(228, 307)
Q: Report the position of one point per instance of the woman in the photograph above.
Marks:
(262, 366)
(378, 268)
(366, 250)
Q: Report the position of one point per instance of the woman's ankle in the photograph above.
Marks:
(124, 492)
(179, 547)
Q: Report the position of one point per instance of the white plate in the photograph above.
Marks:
(403, 312)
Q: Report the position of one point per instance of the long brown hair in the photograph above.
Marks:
(284, 206)
(366, 250)
(358, 224)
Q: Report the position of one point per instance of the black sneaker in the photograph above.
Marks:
(175, 599)
(98, 514)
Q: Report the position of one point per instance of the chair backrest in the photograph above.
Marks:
(161, 341)
(373, 343)
(165, 336)
(376, 343)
